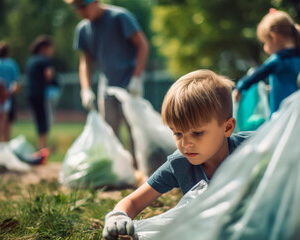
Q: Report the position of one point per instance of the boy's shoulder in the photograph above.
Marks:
(237, 138)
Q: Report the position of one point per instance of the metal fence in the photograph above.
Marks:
(156, 85)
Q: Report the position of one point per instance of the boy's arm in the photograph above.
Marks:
(119, 221)
(134, 203)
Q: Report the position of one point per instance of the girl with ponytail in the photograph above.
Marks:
(280, 36)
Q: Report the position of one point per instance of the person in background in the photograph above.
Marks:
(110, 38)
(198, 109)
(40, 72)
(281, 38)
(9, 75)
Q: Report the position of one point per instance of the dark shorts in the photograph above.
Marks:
(40, 114)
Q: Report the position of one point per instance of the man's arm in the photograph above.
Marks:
(140, 42)
(85, 66)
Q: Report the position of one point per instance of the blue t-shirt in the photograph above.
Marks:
(35, 70)
(106, 40)
(9, 72)
(177, 172)
(282, 69)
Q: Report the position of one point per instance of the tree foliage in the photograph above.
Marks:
(219, 34)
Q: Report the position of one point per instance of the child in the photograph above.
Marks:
(281, 39)
(9, 76)
(198, 109)
(40, 72)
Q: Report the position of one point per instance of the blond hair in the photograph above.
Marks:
(278, 22)
(196, 98)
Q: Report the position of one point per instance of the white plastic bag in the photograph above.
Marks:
(21, 147)
(255, 193)
(153, 140)
(97, 158)
(147, 228)
(10, 161)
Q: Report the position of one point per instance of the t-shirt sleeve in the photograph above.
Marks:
(163, 179)
(80, 38)
(129, 24)
(259, 74)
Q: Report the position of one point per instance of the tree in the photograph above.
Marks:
(219, 35)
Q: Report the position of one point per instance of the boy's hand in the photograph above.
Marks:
(117, 223)
(135, 86)
(87, 98)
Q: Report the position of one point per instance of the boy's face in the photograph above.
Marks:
(206, 143)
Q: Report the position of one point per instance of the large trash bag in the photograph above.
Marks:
(253, 108)
(153, 140)
(21, 147)
(255, 193)
(147, 228)
(10, 161)
(97, 158)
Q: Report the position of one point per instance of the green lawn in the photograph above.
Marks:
(61, 137)
(50, 211)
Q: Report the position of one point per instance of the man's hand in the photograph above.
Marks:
(117, 223)
(87, 98)
(135, 86)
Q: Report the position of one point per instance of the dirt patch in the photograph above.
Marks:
(48, 172)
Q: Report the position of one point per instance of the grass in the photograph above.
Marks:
(50, 211)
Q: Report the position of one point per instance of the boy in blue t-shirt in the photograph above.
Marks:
(198, 109)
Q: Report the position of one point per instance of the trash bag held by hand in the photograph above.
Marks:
(97, 158)
(255, 193)
(153, 141)
(147, 228)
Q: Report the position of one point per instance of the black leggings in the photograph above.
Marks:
(40, 114)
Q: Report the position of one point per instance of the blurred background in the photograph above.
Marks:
(184, 35)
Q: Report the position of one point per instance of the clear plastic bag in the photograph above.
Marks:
(10, 161)
(255, 192)
(21, 146)
(97, 158)
(147, 228)
(152, 139)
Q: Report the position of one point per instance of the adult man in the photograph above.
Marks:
(110, 38)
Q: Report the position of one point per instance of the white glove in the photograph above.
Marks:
(135, 86)
(87, 98)
(117, 223)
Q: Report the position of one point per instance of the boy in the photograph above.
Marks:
(198, 109)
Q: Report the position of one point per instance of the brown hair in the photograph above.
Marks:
(197, 98)
(40, 43)
(281, 23)
(4, 49)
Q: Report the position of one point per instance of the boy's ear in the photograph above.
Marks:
(229, 127)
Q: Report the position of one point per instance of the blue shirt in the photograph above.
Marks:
(282, 69)
(177, 172)
(9, 71)
(106, 40)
